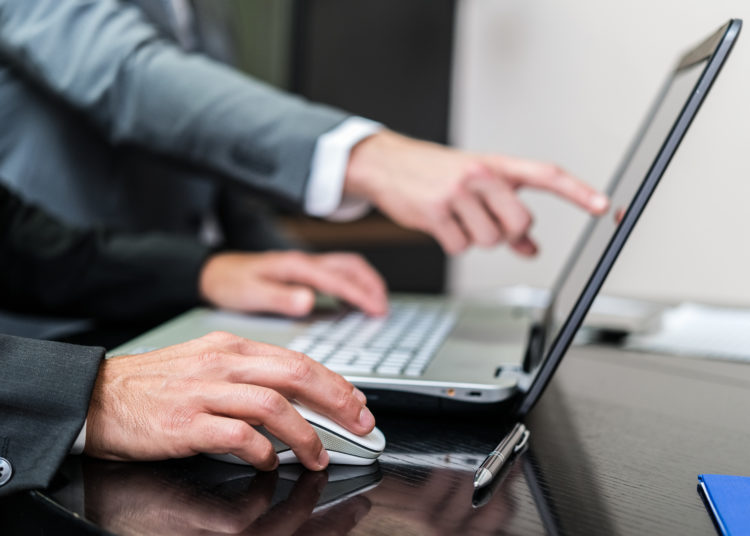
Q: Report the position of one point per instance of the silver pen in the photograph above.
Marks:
(494, 462)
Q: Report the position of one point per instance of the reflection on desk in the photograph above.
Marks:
(617, 441)
(413, 490)
(423, 484)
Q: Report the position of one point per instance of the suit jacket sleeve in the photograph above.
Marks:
(47, 267)
(105, 59)
(45, 389)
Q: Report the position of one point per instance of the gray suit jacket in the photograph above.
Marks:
(107, 120)
(44, 395)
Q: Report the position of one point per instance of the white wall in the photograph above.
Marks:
(570, 82)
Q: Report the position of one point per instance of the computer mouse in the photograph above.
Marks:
(343, 446)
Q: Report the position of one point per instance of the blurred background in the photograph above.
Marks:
(567, 82)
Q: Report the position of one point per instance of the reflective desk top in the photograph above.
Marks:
(617, 443)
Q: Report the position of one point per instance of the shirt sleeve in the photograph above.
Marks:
(80, 443)
(324, 195)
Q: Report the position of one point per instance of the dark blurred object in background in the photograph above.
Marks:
(389, 61)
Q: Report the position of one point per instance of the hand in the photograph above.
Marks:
(458, 197)
(284, 282)
(205, 395)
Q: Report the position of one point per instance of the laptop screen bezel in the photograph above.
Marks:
(715, 50)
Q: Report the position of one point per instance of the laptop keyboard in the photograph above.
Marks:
(403, 342)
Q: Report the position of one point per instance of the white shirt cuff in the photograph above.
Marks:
(80, 442)
(325, 185)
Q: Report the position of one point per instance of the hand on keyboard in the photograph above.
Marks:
(285, 282)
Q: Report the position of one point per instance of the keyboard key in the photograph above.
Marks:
(388, 370)
(350, 369)
(412, 370)
(404, 342)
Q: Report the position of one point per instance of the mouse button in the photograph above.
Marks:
(315, 417)
(375, 440)
(348, 459)
(334, 442)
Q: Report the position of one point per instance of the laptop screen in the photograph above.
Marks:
(630, 189)
(621, 192)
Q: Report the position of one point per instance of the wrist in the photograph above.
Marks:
(367, 167)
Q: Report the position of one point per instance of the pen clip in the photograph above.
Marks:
(522, 442)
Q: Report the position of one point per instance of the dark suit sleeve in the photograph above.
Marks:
(45, 389)
(47, 267)
(106, 60)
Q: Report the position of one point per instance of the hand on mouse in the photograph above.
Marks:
(205, 395)
(284, 282)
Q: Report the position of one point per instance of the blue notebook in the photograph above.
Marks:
(729, 500)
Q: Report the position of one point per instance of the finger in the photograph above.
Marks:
(525, 246)
(290, 514)
(451, 236)
(481, 227)
(298, 377)
(214, 434)
(358, 269)
(551, 178)
(502, 202)
(284, 299)
(307, 272)
(263, 406)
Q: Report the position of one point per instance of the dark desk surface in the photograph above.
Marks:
(617, 443)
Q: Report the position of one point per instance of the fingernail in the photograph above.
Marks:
(360, 395)
(366, 419)
(599, 202)
(323, 459)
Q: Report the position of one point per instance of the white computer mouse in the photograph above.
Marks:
(343, 446)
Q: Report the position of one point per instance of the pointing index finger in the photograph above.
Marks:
(522, 172)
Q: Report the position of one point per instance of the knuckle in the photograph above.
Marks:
(299, 368)
(236, 435)
(438, 212)
(270, 402)
(459, 189)
(264, 452)
(220, 337)
(342, 401)
(309, 439)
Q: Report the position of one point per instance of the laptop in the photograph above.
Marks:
(455, 353)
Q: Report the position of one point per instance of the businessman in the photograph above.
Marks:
(200, 396)
(113, 113)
